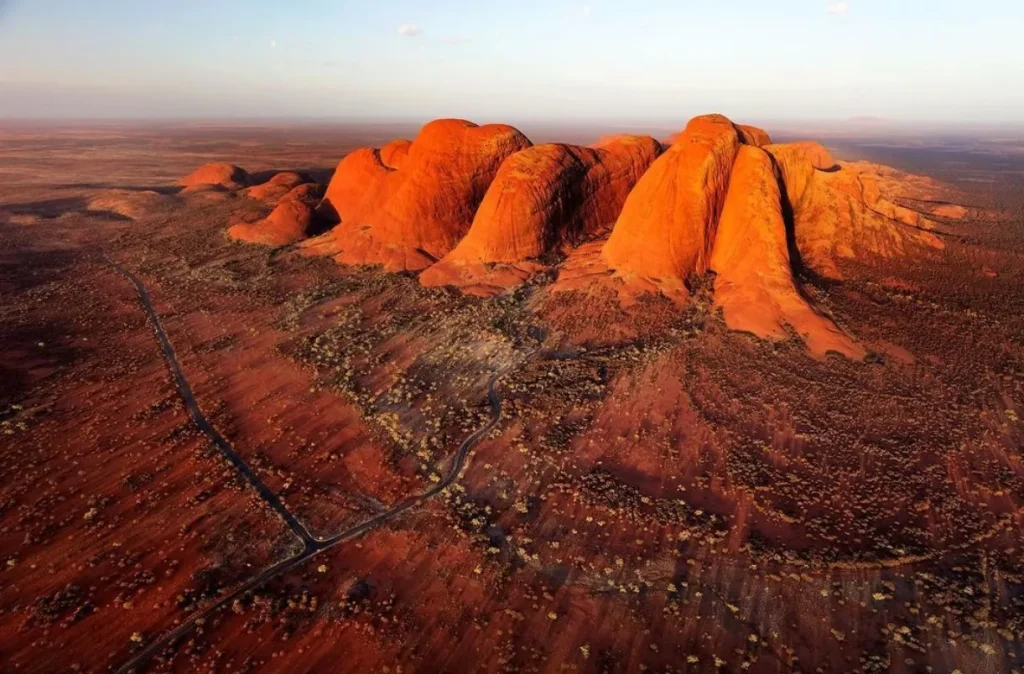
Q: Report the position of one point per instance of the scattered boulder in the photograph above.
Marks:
(754, 285)
(227, 176)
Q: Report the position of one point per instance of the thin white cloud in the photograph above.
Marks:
(838, 8)
(409, 30)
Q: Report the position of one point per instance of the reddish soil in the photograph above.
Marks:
(661, 493)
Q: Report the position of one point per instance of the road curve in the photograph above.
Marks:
(312, 546)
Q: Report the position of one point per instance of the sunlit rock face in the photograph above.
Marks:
(408, 215)
(544, 199)
(290, 221)
(754, 285)
(227, 176)
(482, 209)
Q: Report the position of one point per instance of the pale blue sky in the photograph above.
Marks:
(602, 60)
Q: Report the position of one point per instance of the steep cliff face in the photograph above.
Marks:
(393, 154)
(668, 223)
(407, 215)
(752, 135)
(798, 164)
(754, 284)
(543, 199)
(354, 187)
(481, 209)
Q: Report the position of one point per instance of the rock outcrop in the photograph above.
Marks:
(132, 204)
(482, 209)
(409, 217)
(798, 164)
(289, 222)
(946, 211)
(668, 223)
(393, 154)
(844, 211)
(754, 285)
(227, 176)
(752, 135)
(279, 185)
(543, 199)
(353, 187)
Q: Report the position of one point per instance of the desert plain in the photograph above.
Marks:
(224, 452)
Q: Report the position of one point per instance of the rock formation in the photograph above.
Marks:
(946, 211)
(288, 223)
(668, 223)
(394, 153)
(406, 218)
(353, 186)
(281, 184)
(483, 209)
(798, 164)
(543, 198)
(752, 135)
(848, 211)
(754, 283)
(227, 176)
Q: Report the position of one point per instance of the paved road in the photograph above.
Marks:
(312, 546)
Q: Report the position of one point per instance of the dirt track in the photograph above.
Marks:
(311, 545)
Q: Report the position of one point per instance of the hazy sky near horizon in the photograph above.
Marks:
(930, 60)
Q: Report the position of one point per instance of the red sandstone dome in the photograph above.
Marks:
(289, 222)
(281, 184)
(544, 198)
(394, 153)
(227, 176)
(668, 223)
(752, 135)
(721, 198)
(754, 283)
(748, 135)
(354, 186)
(419, 212)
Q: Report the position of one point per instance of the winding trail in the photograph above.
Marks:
(311, 545)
